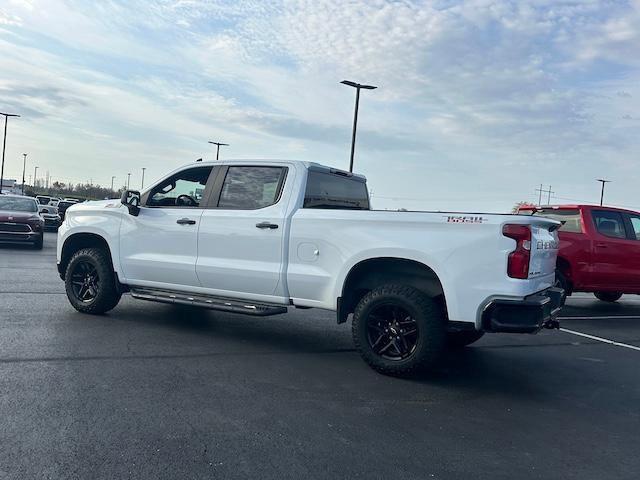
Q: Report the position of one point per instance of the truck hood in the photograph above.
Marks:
(95, 205)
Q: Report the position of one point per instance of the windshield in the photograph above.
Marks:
(570, 218)
(18, 204)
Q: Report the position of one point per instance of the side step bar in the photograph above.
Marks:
(214, 303)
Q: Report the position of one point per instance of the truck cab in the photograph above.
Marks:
(599, 249)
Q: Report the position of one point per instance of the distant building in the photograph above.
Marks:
(10, 185)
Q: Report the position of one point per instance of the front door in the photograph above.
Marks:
(159, 247)
(240, 242)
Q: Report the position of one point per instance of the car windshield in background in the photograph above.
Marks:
(570, 218)
(18, 204)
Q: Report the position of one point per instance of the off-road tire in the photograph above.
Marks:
(429, 319)
(462, 339)
(38, 244)
(107, 296)
(608, 296)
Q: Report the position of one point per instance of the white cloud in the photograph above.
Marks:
(511, 93)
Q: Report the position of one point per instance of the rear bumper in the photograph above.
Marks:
(524, 316)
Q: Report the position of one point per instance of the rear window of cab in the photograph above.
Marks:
(570, 218)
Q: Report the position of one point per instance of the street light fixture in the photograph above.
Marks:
(35, 173)
(142, 183)
(603, 181)
(358, 87)
(113, 177)
(4, 145)
(24, 166)
(218, 145)
(128, 179)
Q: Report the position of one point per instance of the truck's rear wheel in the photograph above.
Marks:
(398, 329)
(90, 282)
(462, 339)
(608, 296)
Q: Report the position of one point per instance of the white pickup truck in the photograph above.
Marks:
(257, 237)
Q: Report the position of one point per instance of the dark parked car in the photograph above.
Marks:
(20, 221)
(62, 207)
(52, 219)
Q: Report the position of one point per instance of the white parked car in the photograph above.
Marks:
(257, 237)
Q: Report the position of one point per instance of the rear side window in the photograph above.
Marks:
(635, 225)
(250, 188)
(609, 224)
(570, 218)
(328, 190)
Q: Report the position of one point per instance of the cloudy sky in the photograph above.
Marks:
(478, 103)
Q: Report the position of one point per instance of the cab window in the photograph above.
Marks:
(250, 188)
(609, 224)
(184, 189)
(635, 225)
(570, 218)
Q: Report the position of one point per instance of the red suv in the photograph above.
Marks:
(599, 249)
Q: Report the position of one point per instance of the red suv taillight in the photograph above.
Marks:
(518, 264)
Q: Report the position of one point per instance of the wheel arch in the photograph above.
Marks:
(78, 241)
(370, 273)
(563, 265)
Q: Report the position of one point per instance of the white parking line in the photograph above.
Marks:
(605, 317)
(602, 317)
(600, 339)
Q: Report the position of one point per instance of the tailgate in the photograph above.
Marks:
(544, 248)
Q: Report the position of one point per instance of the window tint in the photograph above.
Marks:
(571, 218)
(635, 224)
(16, 204)
(609, 223)
(250, 188)
(327, 190)
(184, 189)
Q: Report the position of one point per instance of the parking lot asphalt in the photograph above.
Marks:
(162, 392)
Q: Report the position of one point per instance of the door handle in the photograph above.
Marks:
(271, 226)
(601, 245)
(186, 221)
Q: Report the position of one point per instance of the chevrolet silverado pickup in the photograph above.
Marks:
(259, 237)
(599, 249)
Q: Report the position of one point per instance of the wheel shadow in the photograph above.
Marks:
(474, 370)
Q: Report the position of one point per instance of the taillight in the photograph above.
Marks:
(518, 264)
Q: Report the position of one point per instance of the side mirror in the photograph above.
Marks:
(131, 200)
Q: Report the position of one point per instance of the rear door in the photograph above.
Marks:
(242, 234)
(610, 268)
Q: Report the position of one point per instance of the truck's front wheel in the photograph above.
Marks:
(398, 329)
(90, 282)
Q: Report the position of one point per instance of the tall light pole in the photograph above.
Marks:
(35, 176)
(218, 145)
(4, 144)
(603, 181)
(142, 183)
(113, 177)
(24, 166)
(358, 87)
(128, 180)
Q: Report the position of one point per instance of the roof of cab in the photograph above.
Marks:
(575, 206)
(306, 164)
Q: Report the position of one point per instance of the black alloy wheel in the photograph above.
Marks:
(85, 281)
(392, 332)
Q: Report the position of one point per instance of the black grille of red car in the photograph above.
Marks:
(14, 227)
